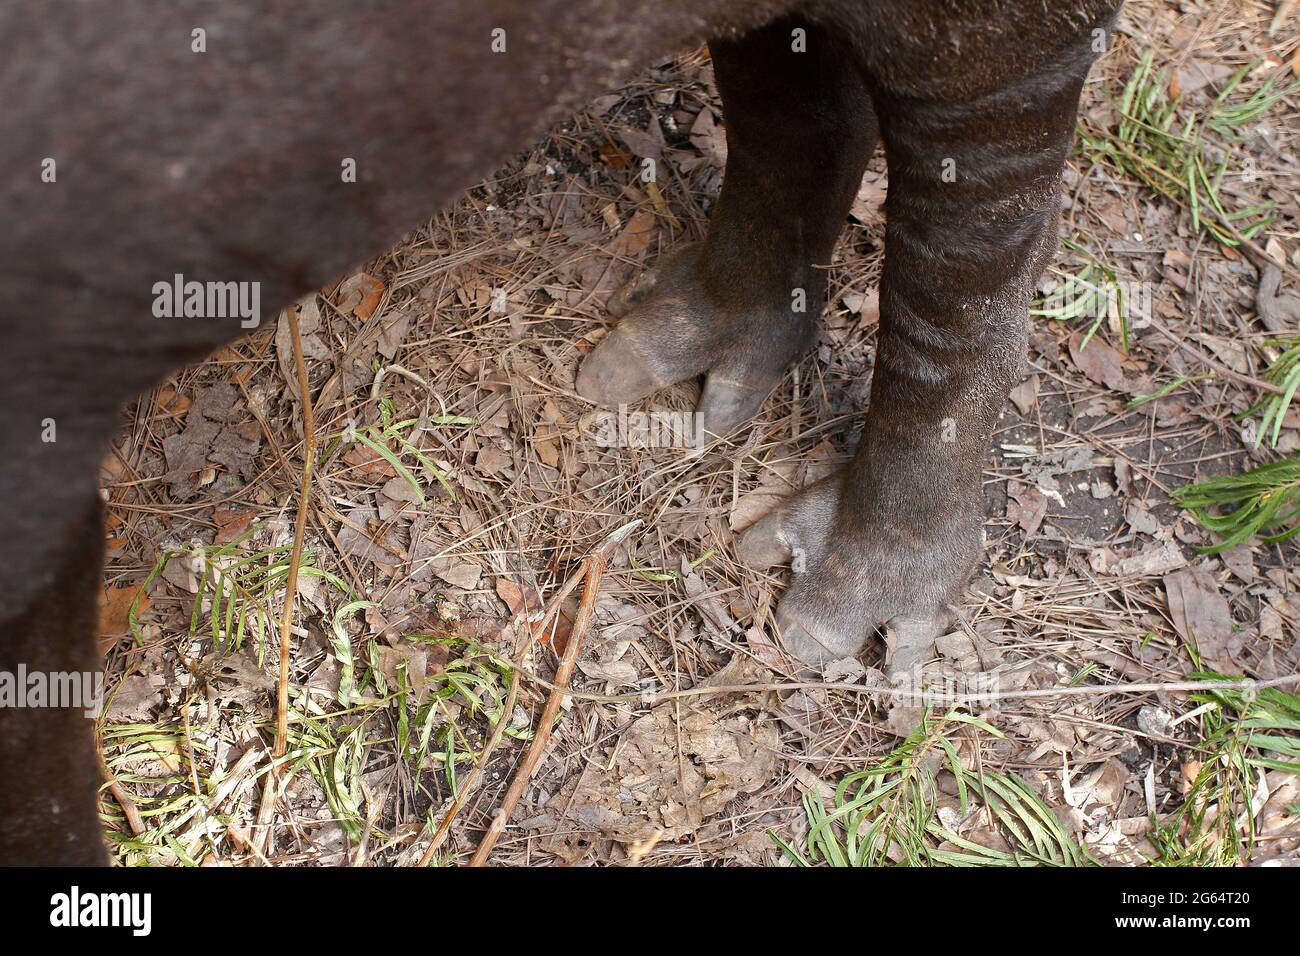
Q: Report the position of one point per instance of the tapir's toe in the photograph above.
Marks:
(726, 405)
(812, 619)
(763, 544)
(676, 324)
(846, 588)
(829, 633)
(618, 371)
(815, 641)
(797, 528)
(910, 643)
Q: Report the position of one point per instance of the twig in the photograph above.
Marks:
(651, 697)
(1215, 364)
(470, 783)
(542, 736)
(400, 370)
(229, 783)
(1087, 690)
(299, 529)
(266, 813)
(512, 693)
(270, 786)
(374, 807)
(592, 570)
(129, 809)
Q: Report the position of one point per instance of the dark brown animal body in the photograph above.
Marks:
(224, 165)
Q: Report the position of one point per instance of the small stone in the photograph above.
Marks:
(1155, 721)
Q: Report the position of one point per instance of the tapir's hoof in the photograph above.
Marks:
(814, 641)
(725, 406)
(633, 293)
(848, 585)
(763, 545)
(910, 643)
(818, 640)
(617, 372)
(677, 326)
(793, 531)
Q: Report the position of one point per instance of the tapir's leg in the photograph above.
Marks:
(974, 178)
(742, 305)
(47, 796)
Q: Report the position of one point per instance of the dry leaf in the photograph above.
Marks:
(522, 601)
(1025, 395)
(868, 204)
(1101, 363)
(460, 574)
(313, 349)
(709, 138)
(231, 523)
(115, 606)
(134, 699)
(1200, 613)
(674, 768)
(1026, 506)
(360, 294)
(635, 238)
(547, 452)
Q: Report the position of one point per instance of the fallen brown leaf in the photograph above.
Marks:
(1200, 613)
(115, 608)
(231, 523)
(360, 294)
(1101, 363)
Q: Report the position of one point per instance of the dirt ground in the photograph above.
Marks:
(459, 481)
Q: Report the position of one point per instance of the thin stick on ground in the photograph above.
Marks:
(299, 529)
(271, 786)
(470, 783)
(1215, 364)
(592, 570)
(129, 809)
(1245, 685)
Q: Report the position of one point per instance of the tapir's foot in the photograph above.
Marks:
(684, 320)
(852, 580)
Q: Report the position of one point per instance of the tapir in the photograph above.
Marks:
(144, 140)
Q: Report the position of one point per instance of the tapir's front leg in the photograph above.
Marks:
(742, 305)
(972, 216)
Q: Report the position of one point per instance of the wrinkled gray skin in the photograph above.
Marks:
(225, 166)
